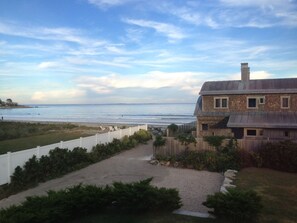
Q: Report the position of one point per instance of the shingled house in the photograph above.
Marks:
(248, 109)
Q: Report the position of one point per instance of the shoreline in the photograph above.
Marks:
(88, 124)
(13, 107)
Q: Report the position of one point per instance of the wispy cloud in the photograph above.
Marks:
(108, 3)
(171, 31)
(57, 96)
(184, 81)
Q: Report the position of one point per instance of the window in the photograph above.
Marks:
(262, 100)
(204, 127)
(286, 134)
(285, 102)
(221, 102)
(252, 102)
(251, 132)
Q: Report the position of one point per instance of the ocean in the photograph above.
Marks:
(151, 114)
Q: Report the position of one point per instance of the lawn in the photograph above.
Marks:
(144, 218)
(278, 191)
(15, 136)
(29, 142)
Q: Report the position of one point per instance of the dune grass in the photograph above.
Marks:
(16, 136)
(278, 191)
(13, 145)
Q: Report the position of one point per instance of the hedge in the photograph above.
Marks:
(83, 200)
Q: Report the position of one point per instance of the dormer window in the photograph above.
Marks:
(221, 102)
(285, 102)
(252, 102)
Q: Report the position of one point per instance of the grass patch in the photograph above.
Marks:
(277, 189)
(143, 218)
(13, 145)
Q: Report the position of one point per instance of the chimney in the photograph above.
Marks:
(245, 72)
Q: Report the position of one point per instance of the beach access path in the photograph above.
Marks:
(129, 166)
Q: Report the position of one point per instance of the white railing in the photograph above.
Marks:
(9, 161)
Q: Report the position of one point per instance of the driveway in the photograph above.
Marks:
(132, 165)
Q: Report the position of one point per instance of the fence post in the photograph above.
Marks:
(80, 141)
(38, 152)
(61, 145)
(145, 126)
(8, 166)
(130, 131)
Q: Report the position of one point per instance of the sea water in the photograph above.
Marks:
(152, 114)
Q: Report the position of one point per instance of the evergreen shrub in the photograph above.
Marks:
(235, 205)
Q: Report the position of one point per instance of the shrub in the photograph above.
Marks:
(186, 139)
(78, 201)
(215, 141)
(159, 141)
(279, 156)
(141, 197)
(62, 161)
(142, 136)
(235, 205)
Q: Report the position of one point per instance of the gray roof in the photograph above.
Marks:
(285, 85)
(263, 120)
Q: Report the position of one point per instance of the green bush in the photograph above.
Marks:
(215, 141)
(235, 205)
(62, 161)
(279, 156)
(159, 141)
(78, 201)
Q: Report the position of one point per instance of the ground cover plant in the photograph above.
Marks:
(226, 157)
(62, 161)
(236, 205)
(83, 200)
(15, 136)
(278, 192)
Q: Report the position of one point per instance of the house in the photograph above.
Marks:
(248, 109)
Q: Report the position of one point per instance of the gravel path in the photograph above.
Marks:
(130, 166)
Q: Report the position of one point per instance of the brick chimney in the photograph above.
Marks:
(245, 72)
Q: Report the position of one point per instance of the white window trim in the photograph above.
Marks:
(282, 97)
(263, 100)
(220, 98)
(247, 102)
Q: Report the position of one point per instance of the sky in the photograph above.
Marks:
(139, 51)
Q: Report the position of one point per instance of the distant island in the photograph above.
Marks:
(11, 104)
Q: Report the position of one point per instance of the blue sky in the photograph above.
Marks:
(139, 51)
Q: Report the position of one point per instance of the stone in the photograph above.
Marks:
(230, 175)
(227, 181)
(154, 162)
(223, 189)
(168, 163)
(228, 185)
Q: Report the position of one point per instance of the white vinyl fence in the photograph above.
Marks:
(9, 161)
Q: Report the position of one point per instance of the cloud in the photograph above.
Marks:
(44, 33)
(184, 81)
(254, 75)
(57, 95)
(108, 3)
(172, 32)
(48, 64)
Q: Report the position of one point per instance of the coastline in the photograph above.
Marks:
(13, 107)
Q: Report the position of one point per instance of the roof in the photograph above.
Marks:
(263, 120)
(285, 85)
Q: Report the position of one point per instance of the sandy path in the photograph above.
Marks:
(131, 166)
